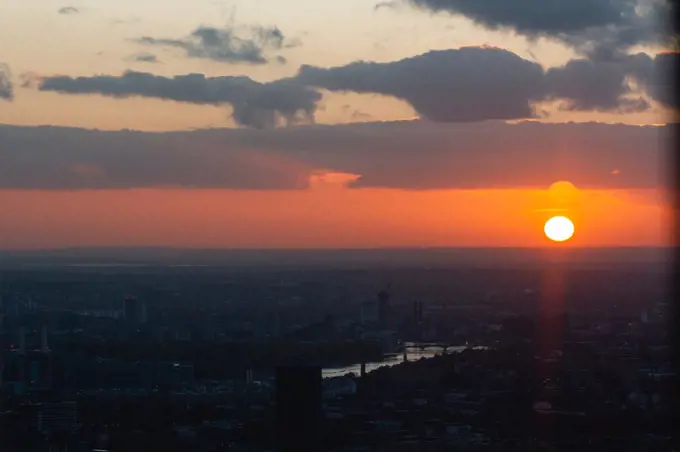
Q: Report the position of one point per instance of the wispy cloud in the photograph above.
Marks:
(386, 5)
(250, 45)
(68, 10)
(145, 58)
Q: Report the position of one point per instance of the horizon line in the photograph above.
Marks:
(379, 248)
(321, 125)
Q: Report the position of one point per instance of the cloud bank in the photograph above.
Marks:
(461, 85)
(480, 83)
(416, 155)
(469, 84)
(597, 28)
(254, 104)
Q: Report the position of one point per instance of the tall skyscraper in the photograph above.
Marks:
(417, 311)
(298, 409)
(384, 308)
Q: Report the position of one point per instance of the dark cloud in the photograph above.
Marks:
(423, 155)
(48, 158)
(258, 105)
(535, 17)
(468, 84)
(6, 86)
(227, 45)
(658, 76)
(415, 155)
(481, 83)
(145, 58)
(594, 85)
(464, 85)
(598, 28)
(68, 10)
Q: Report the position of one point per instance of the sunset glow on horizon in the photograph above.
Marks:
(319, 218)
(155, 123)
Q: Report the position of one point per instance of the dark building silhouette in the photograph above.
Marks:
(44, 345)
(298, 408)
(418, 311)
(384, 308)
(14, 373)
(134, 311)
(26, 367)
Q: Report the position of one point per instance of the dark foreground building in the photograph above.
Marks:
(298, 409)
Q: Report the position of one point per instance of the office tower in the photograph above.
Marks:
(298, 408)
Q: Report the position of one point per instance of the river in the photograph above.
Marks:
(392, 359)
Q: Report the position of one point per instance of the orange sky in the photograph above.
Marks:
(328, 217)
(103, 38)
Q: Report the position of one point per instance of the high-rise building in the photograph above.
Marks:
(418, 311)
(134, 311)
(299, 394)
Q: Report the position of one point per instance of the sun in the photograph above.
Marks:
(559, 229)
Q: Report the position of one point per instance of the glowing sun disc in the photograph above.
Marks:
(559, 229)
